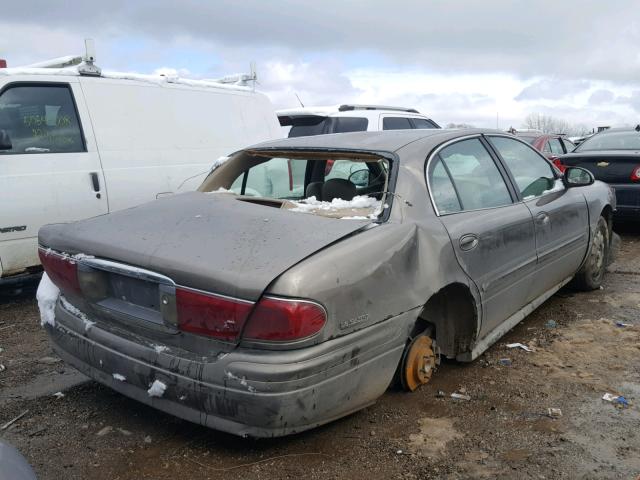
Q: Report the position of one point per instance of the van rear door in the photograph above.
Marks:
(51, 173)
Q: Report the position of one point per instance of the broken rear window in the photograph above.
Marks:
(351, 186)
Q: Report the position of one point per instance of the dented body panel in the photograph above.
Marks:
(380, 283)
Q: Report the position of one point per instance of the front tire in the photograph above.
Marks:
(591, 275)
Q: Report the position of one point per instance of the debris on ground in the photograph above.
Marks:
(519, 345)
(2, 368)
(618, 400)
(622, 324)
(104, 431)
(506, 362)
(58, 395)
(49, 360)
(554, 412)
(13, 420)
(440, 394)
(551, 324)
(460, 396)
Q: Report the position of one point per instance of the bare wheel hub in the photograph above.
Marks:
(419, 363)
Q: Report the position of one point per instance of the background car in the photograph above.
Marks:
(351, 118)
(265, 316)
(613, 156)
(551, 145)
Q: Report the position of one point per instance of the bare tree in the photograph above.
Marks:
(459, 125)
(549, 124)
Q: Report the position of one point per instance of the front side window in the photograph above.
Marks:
(396, 123)
(476, 177)
(40, 119)
(533, 173)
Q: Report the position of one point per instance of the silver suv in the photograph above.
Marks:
(305, 122)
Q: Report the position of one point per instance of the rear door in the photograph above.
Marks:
(493, 236)
(52, 171)
(560, 214)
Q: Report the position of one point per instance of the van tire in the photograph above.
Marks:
(591, 275)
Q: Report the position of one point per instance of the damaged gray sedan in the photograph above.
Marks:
(306, 274)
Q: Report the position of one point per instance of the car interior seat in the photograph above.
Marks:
(338, 188)
(314, 189)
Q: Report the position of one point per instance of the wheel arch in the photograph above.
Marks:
(452, 314)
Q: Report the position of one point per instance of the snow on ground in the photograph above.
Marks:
(157, 389)
(47, 297)
(119, 377)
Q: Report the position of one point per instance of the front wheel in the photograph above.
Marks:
(591, 274)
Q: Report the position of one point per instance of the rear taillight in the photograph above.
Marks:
(3, 63)
(61, 269)
(280, 319)
(558, 163)
(211, 315)
(635, 174)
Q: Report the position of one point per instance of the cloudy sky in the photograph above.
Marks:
(456, 61)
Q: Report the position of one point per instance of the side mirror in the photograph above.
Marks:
(360, 178)
(577, 177)
(5, 141)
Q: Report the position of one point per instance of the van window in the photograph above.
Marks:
(396, 123)
(40, 119)
(422, 123)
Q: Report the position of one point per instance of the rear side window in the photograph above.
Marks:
(40, 119)
(350, 124)
(422, 123)
(533, 174)
(396, 123)
(442, 190)
(568, 145)
(475, 176)
(556, 146)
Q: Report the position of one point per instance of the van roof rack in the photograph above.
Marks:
(347, 107)
(85, 63)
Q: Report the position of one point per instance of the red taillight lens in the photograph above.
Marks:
(558, 163)
(279, 319)
(62, 270)
(211, 315)
(635, 174)
(3, 63)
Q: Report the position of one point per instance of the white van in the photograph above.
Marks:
(76, 142)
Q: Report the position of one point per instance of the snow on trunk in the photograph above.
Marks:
(47, 297)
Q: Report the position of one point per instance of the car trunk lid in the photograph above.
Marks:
(215, 243)
(607, 166)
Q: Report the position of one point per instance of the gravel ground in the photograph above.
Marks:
(504, 431)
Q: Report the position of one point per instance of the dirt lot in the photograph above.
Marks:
(504, 431)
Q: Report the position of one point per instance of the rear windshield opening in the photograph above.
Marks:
(349, 186)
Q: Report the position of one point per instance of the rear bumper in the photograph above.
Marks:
(255, 393)
(628, 201)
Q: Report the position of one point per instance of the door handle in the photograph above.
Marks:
(468, 241)
(542, 218)
(95, 181)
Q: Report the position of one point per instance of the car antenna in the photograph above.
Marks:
(300, 101)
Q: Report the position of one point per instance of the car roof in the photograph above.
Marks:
(383, 141)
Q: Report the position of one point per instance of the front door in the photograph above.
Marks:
(560, 214)
(492, 236)
(50, 174)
